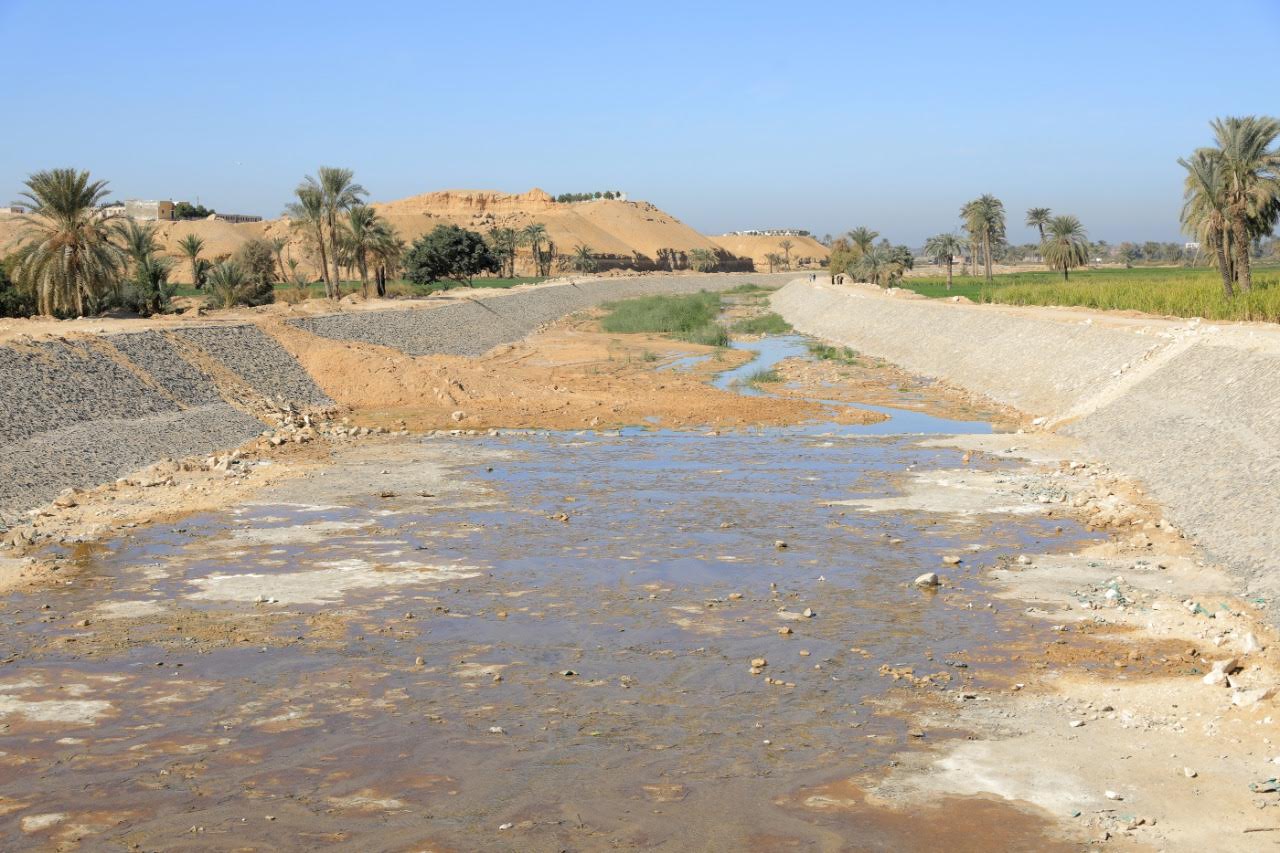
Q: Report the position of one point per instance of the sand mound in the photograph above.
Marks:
(805, 251)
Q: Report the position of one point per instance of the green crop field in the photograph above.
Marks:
(1169, 291)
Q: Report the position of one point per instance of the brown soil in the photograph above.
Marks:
(572, 376)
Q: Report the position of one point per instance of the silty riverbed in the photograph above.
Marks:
(526, 641)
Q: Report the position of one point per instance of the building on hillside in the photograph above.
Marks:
(148, 210)
(112, 210)
(770, 232)
(236, 217)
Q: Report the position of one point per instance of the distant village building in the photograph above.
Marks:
(236, 217)
(770, 232)
(148, 210)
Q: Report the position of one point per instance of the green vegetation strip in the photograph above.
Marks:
(1176, 291)
(688, 318)
(765, 324)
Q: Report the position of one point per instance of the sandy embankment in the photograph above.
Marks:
(1115, 730)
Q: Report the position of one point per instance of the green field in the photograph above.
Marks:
(399, 287)
(1168, 291)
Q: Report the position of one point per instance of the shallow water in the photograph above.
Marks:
(626, 709)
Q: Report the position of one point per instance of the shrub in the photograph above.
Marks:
(256, 260)
(449, 253)
(13, 302)
(229, 286)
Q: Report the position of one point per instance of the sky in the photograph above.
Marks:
(730, 116)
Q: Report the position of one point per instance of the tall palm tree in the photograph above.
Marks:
(984, 220)
(1038, 218)
(534, 235)
(863, 239)
(190, 246)
(308, 216)
(364, 234)
(1066, 246)
(1251, 174)
(944, 248)
(338, 193)
(774, 260)
(1204, 210)
(67, 259)
(786, 245)
(277, 248)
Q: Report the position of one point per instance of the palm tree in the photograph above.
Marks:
(67, 259)
(944, 248)
(1251, 175)
(1204, 210)
(277, 247)
(583, 259)
(338, 192)
(228, 285)
(533, 235)
(363, 235)
(880, 265)
(190, 246)
(1066, 246)
(1038, 218)
(984, 220)
(786, 245)
(504, 242)
(138, 240)
(704, 260)
(150, 281)
(389, 254)
(774, 260)
(308, 216)
(863, 239)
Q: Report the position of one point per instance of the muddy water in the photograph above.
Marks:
(523, 642)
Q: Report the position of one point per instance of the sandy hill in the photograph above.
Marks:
(805, 251)
(621, 229)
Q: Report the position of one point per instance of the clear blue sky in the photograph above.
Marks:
(728, 115)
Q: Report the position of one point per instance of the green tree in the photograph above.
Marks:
(984, 220)
(583, 259)
(1038, 218)
(228, 285)
(149, 289)
(337, 192)
(943, 248)
(504, 242)
(190, 246)
(256, 262)
(186, 210)
(1204, 210)
(66, 258)
(365, 235)
(1251, 173)
(449, 252)
(882, 265)
(774, 260)
(1066, 246)
(277, 246)
(534, 235)
(307, 216)
(13, 302)
(786, 246)
(862, 239)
